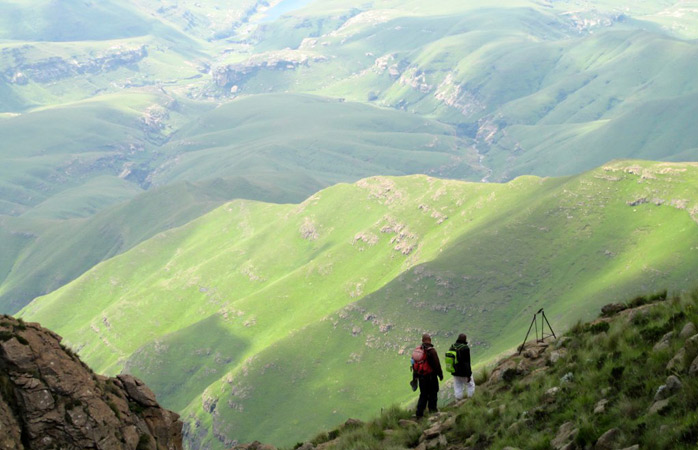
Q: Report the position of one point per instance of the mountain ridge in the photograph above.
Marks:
(400, 256)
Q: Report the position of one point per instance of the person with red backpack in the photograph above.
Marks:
(426, 370)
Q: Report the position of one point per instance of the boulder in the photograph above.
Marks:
(137, 390)
(687, 331)
(60, 403)
(567, 378)
(608, 440)
(551, 394)
(693, 370)
(669, 388)
(678, 362)
(691, 345)
(664, 342)
(306, 446)
(404, 423)
(256, 445)
(612, 309)
(562, 342)
(564, 436)
(600, 407)
(659, 407)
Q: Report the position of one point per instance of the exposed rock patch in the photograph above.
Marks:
(50, 399)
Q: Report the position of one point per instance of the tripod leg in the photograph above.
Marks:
(551, 328)
(529, 331)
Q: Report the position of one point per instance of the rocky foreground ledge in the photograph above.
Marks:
(51, 399)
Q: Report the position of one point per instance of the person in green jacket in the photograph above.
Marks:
(463, 375)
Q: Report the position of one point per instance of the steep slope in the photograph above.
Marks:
(626, 380)
(254, 302)
(50, 399)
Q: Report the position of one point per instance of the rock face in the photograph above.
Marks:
(50, 399)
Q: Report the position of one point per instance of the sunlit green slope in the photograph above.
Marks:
(73, 190)
(254, 312)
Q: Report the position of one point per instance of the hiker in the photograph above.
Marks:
(426, 371)
(458, 363)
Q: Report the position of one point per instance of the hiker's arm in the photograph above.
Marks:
(435, 364)
(466, 362)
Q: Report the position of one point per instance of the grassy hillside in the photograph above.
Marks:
(536, 87)
(78, 195)
(91, 115)
(255, 302)
(617, 382)
(322, 138)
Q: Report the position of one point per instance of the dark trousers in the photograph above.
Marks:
(428, 394)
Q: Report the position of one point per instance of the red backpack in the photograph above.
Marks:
(420, 364)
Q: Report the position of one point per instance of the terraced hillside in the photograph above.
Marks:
(254, 302)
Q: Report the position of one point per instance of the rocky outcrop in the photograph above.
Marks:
(231, 75)
(57, 68)
(51, 399)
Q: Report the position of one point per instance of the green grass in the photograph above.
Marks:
(320, 298)
(612, 365)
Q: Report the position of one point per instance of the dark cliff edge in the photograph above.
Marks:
(51, 399)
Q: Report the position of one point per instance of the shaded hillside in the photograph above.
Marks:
(50, 399)
(627, 380)
(236, 299)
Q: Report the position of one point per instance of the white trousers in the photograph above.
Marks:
(460, 384)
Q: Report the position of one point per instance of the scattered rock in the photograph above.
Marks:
(659, 407)
(673, 384)
(431, 433)
(693, 370)
(562, 342)
(256, 445)
(353, 423)
(404, 423)
(551, 394)
(669, 388)
(600, 407)
(567, 378)
(678, 362)
(608, 440)
(664, 342)
(306, 446)
(687, 331)
(564, 436)
(691, 345)
(612, 309)
(555, 356)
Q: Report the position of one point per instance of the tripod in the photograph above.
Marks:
(543, 321)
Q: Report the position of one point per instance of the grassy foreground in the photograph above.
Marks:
(610, 383)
